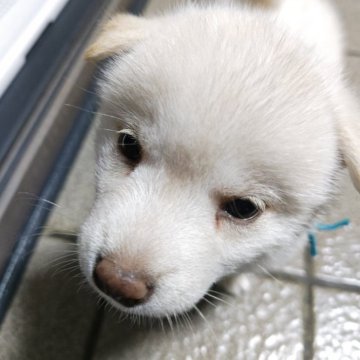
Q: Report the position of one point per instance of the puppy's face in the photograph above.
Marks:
(212, 154)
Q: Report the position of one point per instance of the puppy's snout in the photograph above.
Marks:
(126, 287)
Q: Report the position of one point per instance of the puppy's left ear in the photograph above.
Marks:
(349, 135)
(118, 35)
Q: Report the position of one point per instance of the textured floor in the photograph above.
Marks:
(308, 309)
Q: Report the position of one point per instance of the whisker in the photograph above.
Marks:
(61, 261)
(208, 301)
(205, 320)
(189, 322)
(93, 112)
(87, 91)
(44, 203)
(162, 325)
(72, 271)
(177, 320)
(72, 238)
(267, 272)
(222, 294)
(110, 130)
(94, 93)
(54, 232)
(168, 317)
(35, 197)
(219, 299)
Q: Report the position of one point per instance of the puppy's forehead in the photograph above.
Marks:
(214, 71)
(201, 96)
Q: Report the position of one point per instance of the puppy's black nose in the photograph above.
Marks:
(126, 287)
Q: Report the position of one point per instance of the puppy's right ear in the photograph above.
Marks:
(349, 135)
(118, 35)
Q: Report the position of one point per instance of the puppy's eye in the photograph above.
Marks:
(241, 208)
(129, 146)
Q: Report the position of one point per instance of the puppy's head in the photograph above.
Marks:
(219, 147)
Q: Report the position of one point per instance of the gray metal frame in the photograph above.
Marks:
(43, 151)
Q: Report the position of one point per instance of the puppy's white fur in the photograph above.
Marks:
(225, 100)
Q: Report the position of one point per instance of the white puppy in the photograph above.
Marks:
(230, 126)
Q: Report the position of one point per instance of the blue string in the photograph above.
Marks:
(324, 227)
(313, 244)
(332, 227)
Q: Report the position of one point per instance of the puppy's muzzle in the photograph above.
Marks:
(126, 287)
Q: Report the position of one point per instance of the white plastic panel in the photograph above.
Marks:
(21, 24)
